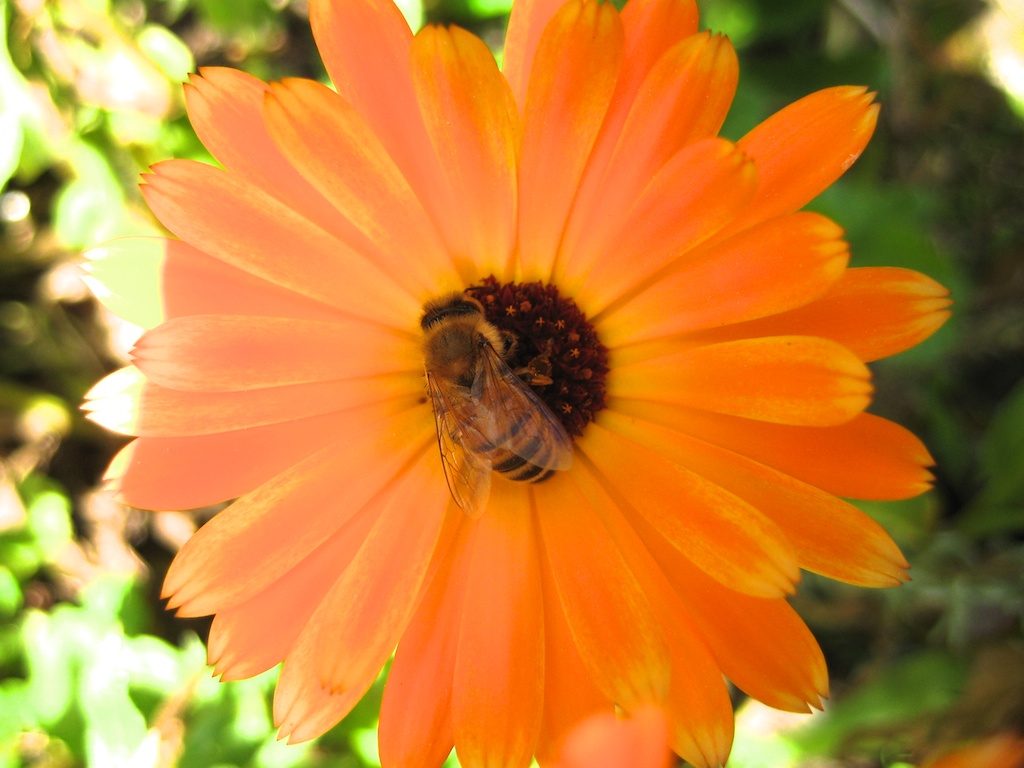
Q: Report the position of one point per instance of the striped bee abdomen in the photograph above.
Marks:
(517, 468)
(522, 456)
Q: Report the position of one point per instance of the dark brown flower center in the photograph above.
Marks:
(555, 347)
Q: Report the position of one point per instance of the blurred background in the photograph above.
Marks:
(93, 671)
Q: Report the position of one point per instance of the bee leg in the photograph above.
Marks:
(537, 372)
(534, 377)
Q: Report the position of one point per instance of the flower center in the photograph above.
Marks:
(555, 348)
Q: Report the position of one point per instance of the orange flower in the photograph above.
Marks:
(605, 741)
(707, 346)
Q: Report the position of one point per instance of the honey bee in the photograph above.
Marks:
(487, 417)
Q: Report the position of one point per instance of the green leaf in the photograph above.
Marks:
(10, 593)
(49, 660)
(136, 612)
(82, 212)
(252, 721)
(10, 143)
(986, 518)
(89, 208)
(21, 556)
(17, 714)
(131, 127)
(739, 19)
(153, 664)
(278, 754)
(29, 148)
(1002, 448)
(909, 521)
(890, 225)
(10, 645)
(364, 744)
(167, 51)
(919, 686)
(487, 8)
(11, 91)
(103, 596)
(115, 728)
(49, 520)
(240, 18)
(999, 507)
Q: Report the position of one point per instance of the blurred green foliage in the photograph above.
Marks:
(95, 673)
(85, 684)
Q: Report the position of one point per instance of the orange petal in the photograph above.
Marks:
(365, 45)
(304, 711)
(149, 279)
(783, 379)
(126, 403)
(651, 30)
(829, 536)
(365, 612)
(868, 457)
(569, 693)
(697, 703)
(652, 27)
(683, 99)
(415, 713)
(331, 144)
(189, 472)
(471, 117)
(498, 688)
(571, 84)
(321, 492)
(526, 24)
(230, 353)
(801, 149)
(692, 196)
(365, 48)
(253, 636)
(610, 618)
(607, 741)
(222, 215)
(225, 106)
(874, 311)
(783, 263)
(761, 644)
(723, 535)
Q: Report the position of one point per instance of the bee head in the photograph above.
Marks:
(452, 305)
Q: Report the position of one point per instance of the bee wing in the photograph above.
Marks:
(468, 473)
(517, 420)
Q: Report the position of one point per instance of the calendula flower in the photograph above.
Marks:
(700, 341)
(606, 741)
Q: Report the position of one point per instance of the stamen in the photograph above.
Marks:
(557, 350)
